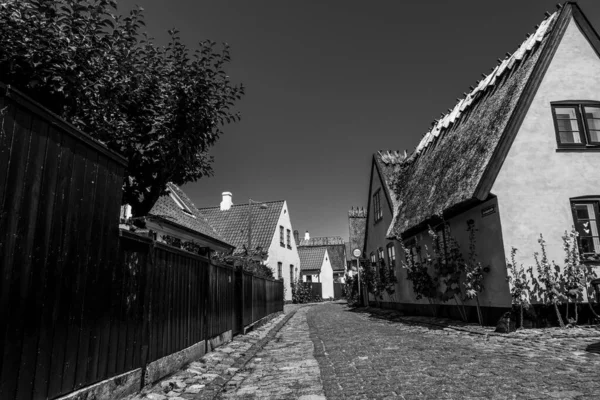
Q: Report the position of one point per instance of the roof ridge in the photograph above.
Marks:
(244, 204)
(446, 121)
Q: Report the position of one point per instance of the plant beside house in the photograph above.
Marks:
(552, 285)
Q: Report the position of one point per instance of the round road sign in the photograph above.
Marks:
(356, 253)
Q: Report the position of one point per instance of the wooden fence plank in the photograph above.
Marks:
(31, 285)
(15, 279)
(54, 262)
(61, 296)
(87, 267)
(41, 250)
(84, 173)
(96, 299)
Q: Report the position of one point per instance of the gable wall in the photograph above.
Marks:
(535, 182)
(376, 231)
(288, 257)
(326, 277)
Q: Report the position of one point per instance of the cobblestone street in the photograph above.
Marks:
(364, 358)
(328, 351)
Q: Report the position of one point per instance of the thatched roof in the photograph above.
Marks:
(458, 155)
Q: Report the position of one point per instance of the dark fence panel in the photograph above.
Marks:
(316, 290)
(248, 286)
(176, 301)
(59, 198)
(338, 290)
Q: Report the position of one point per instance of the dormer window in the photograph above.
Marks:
(181, 204)
(577, 124)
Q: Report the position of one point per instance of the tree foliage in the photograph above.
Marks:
(161, 107)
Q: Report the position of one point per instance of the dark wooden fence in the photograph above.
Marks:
(316, 290)
(338, 290)
(80, 302)
(59, 194)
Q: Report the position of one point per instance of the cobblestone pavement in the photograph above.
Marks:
(361, 357)
(205, 378)
(284, 369)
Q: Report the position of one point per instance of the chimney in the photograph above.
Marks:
(297, 237)
(307, 236)
(227, 202)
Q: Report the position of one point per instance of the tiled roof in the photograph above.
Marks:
(322, 241)
(232, 224)
(311, 258)
(337, 257)
(447, 168)
(335, 246)
(166, 208)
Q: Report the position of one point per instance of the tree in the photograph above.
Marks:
(161, 107)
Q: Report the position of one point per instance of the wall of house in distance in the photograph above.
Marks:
(288, 257)
(536, 183)
(326, 277)
(376, 231)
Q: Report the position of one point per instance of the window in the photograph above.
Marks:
(391, 250)
(291, 273)
(586, 214)
(279, 270)
(441, 245)
(289, 241)
(377, 214)
(181, 204)
(414, 251)
(381, 259)
(308, 278)
(281, 242)
(577, 124)
(373, 259)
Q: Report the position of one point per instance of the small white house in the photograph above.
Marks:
(266, 225)
(315, 266)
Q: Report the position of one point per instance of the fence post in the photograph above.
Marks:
(146, 311)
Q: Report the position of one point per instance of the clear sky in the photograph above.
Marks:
(331, 82)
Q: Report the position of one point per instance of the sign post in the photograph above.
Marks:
(357, 253)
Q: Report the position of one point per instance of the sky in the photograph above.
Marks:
(328, 83)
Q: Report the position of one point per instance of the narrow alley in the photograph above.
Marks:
(330, 351)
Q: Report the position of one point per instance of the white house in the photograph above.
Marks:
(270, 229)
(514, 158)
(315, 266)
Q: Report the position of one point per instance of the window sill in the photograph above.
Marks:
(289, 247)
(282, 245)
(578, 149)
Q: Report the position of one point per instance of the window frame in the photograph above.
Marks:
(391, 254)
(380, 259)
(291, 273)
(279, 270)
(414, 250)
(281, 242)
(373, 258)
(175, 197)
(377, 211)
(584, 130)
(595, 201)
(289, 238)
